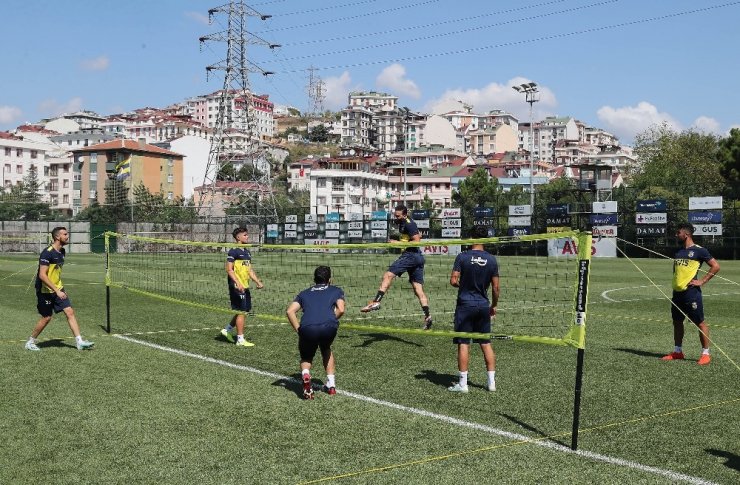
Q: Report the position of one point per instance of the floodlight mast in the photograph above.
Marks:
(531, 95)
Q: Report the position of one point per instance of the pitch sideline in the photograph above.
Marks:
(675, 476)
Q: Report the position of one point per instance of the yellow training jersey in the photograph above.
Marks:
(54, 260)
(686, 265)
(242, 260)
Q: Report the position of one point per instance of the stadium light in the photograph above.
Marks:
(531, 95)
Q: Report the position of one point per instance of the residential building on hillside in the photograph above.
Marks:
(17, 156)
(357, 127)
(130, 161)
(496, 139)
(372, 100)
(349, 185)
(224, 194)
(195, 151)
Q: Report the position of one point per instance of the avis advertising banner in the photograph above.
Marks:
(606, 247)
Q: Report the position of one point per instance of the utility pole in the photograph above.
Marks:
(531, 95)
(235, 142)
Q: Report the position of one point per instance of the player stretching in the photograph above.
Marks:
(411, 261)
(239, 271)
(472, 273)
(50, 293)
(322, 305)
(687, 291)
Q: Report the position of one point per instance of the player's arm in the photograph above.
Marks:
(713, 270)
(253, 277)
(339, 308)
(44, 277)
(455, 278)
(291, 313)
(495, 291)
(232, 276)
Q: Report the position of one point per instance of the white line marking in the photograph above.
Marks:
(671, 475)
(603, 293)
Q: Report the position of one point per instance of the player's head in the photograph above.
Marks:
(240, 234)
(684, 231)
(480, 232)
(400, 211)
(322, 275)
(60, 234)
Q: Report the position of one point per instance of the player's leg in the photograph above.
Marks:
(37, 329)
(463, 350)
(228, 331)
(329, 334)
(385, 284)
(246, 306)
(307, 346)
(677, 315)
(81, 343)
(424, 302)
(696, 315)
(482, 323)
(489, 356)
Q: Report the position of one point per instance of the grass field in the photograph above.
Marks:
(172, 402)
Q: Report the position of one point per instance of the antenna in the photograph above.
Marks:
(235, 142)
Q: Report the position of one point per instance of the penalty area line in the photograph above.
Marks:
(671, 475)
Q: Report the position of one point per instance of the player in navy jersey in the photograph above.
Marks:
(322, 305)
(51, 296)
(473, 272)
(411, 261)
(239, 270)
(687, 300)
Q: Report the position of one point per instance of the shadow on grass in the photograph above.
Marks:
(294, 383)
(382, 337)
(641, 353)
(531, 428)
(443, 380)
(732, 461)
(57, 342)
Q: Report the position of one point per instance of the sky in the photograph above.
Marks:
(621, 65)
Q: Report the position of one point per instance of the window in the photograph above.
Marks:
(93, 176)
(320, 183)
(65, 198)
(66, 168)
(92, 194)
(170, 195)
(18, 169)
(65, 183)
(321, 200)
(7, 168)
(7, 151)
(19, 152)
(93, 167)
(34, 154)
(93, 157)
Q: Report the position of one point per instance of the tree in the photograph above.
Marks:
(477, 190)
(319, 134)
(294, 112)
(729, 155)
(685, 163)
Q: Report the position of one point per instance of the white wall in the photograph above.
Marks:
(196, 151)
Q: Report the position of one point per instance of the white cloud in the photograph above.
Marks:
(51, 107)
(497, 96)
(9, 114)
(394, 79)
(707, 125)
(99, 63)
(627, 121)
(198, 17)
(337, 89)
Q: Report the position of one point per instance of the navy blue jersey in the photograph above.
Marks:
(476, 270)
(408, 230)
(318, 303)
(54, 260)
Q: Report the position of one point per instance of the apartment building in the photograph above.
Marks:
(350, 185)
(130, 161)
(17, 156)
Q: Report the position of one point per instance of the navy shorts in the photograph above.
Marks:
(241, 302)
(49, 303)
(472, 318)
(312, 337)
(690, 303)
(411, 263)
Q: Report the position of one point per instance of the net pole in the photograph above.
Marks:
(584, 262)
(107, 282)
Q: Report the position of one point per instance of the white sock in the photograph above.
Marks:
(240, 337)
(228, 328)
(330, 380)
(677, 348)
(305, 372)
(463, 378)
(704, 351)
(32, 340)
(78, 339)
(491, 376)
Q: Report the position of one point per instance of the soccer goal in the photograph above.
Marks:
(543, 299)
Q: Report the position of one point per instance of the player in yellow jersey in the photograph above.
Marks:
(687, 285)
(51, 296)
(239, 270)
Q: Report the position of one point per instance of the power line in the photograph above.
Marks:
(352, 17)
(530, 41)
(424, 26)
(333, 7)
(457, 32)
